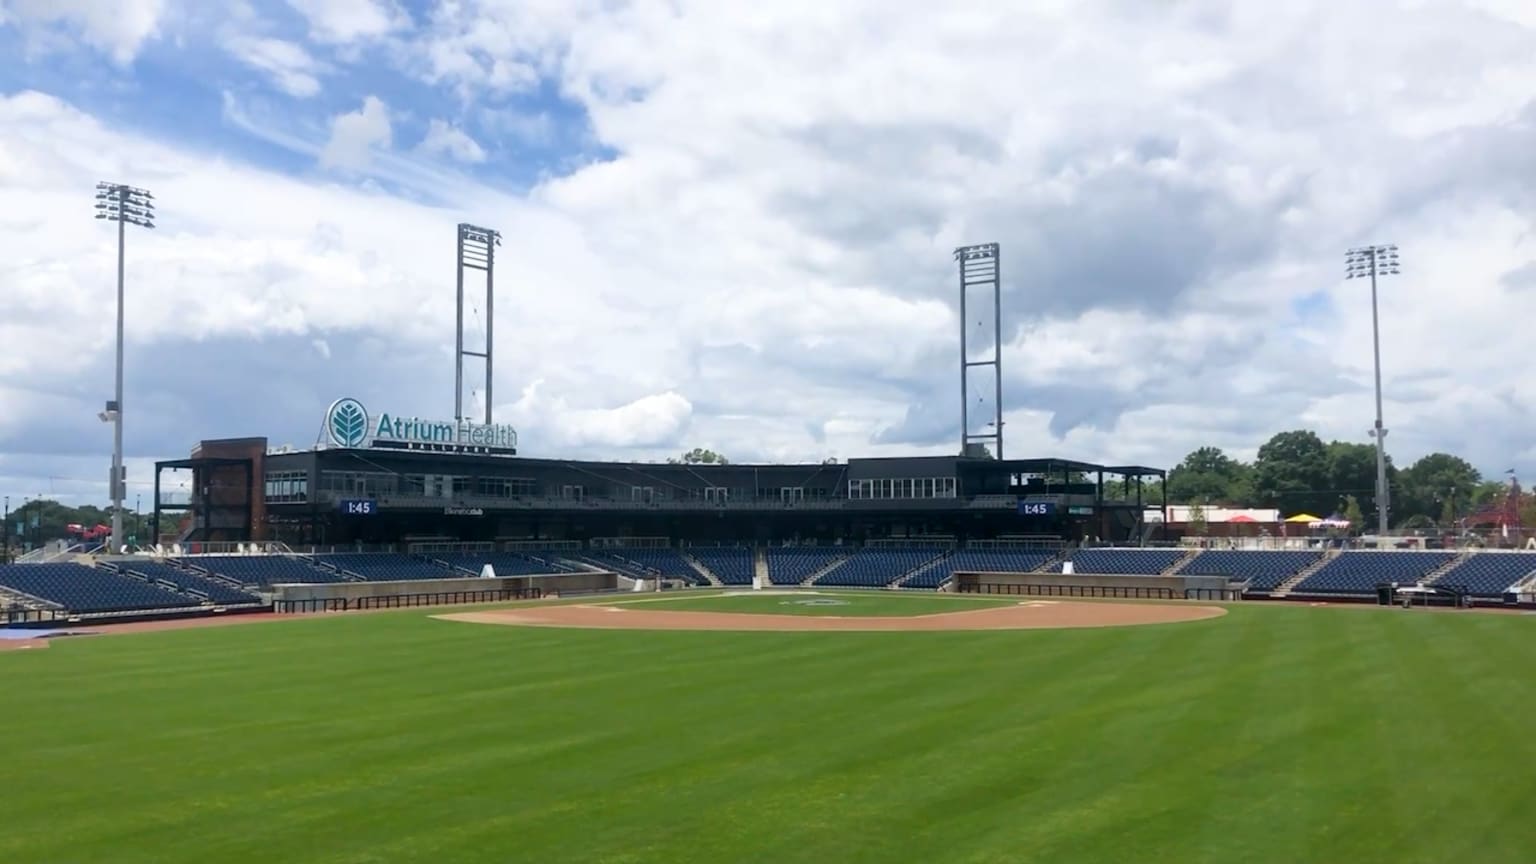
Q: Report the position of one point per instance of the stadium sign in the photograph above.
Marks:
(1037, 508)
(349, 425)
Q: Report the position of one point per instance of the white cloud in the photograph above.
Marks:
(118, 28)
(768, 274)
(445, 140)
(345, 21)
(356, 135)
(287, 64)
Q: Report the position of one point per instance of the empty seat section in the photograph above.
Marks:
(504, 563)
(213, 589)
(86, 590)
(980, 561)
(261, 569)
(649, 562)
(876, 568)
(792, 565)
(1359, 572)
(1125, 562)
(1262, 569)
(386, 567)
(1489, 574)
(732, 565)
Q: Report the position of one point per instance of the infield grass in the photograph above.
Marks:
(1273, 735)
(848, 603)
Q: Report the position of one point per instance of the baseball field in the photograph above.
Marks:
(1267, 734)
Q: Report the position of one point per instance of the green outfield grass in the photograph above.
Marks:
(1273, 735)
(847, 603)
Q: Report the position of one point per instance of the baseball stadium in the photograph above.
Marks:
(411, 642)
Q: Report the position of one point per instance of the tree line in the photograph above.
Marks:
(1297, 472)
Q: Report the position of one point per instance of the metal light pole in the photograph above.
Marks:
(125, 205)
(1373, 261)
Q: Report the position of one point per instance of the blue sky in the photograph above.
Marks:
(729, 224)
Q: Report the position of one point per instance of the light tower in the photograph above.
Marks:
(125, 205)
(981, 266)
(1372, 261)
(477, 251)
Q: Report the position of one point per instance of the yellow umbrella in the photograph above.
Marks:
(1303, 517)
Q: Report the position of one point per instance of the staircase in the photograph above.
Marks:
(1187, 557)
(1284, 588)
(1434, 575)
(811, 579)
(918, 571)
(1054, 561)
(760, 569)
(12, 597)
(698, 566)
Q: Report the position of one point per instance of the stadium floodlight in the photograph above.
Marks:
(125, 205)
(1373, 261)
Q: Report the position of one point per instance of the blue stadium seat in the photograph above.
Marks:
(979, 561)
(386, 567)
(732, 565)
(261, 569)
(1359, 571)
(1124, 562)
(218, 592)
(506, 563)
(86, 590)
(791, 565)
(1262, 569)
(647, 562)
(876, 568)
(1489, 574)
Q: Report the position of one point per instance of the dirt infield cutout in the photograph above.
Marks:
(1028, 615)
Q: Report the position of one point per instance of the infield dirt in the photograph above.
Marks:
(1028, 615)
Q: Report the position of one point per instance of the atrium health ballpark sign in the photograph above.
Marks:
(349, 425)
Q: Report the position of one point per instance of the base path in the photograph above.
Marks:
(1030, 615)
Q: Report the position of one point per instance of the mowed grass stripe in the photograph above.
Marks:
(1256, 737)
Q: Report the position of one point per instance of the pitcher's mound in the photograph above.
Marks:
(1021, 616)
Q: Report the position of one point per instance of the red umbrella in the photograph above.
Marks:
(1242, 517)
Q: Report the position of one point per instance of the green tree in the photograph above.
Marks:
(1210, 474)
(1197, 523)
(1353, 514)
(1352, 471)
(1291, 473)
(1438, 485)
(700, 456)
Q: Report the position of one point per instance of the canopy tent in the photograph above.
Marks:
(1303, 518)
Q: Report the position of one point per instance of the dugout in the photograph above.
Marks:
(1093, 585)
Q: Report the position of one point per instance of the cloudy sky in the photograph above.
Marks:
(729, 224)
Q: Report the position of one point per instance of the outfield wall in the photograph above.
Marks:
(354, 592)
(1092, 585)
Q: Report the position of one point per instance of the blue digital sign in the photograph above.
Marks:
(358, 506)
(1037, 508)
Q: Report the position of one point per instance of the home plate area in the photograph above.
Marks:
(1029, 615)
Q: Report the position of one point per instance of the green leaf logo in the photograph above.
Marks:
(347, 423)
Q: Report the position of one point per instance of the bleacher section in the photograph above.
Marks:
(876, 568)
(384, 567)
(1262, 569)
(1488, 574)
(217, 592)
(791, 565)
(261, 569)
(646, 562)
(1359, 572)
(731, 565)
(1124, 562)
(504, 563)
(87, 590)
(979, 561)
